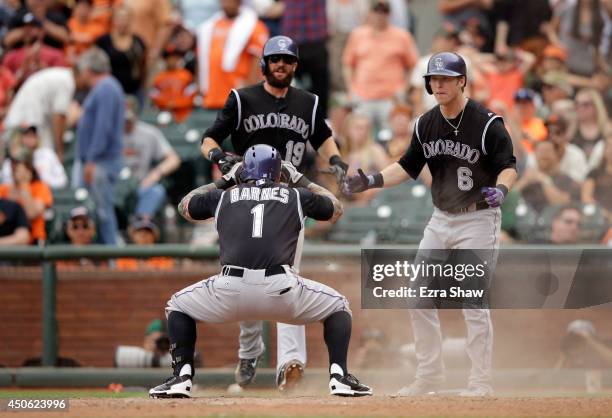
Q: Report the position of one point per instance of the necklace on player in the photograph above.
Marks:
(456, 128)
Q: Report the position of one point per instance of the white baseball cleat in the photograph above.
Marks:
(349, 385)
(173, 387)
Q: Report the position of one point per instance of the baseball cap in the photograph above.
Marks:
(524, 95)
(145, 223)
(30, 19)
(556, 79)
(79, 212)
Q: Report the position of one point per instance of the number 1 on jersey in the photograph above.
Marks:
(258, 212)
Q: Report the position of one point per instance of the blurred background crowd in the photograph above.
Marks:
(103, 104)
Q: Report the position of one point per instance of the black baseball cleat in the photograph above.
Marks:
(246, 371)
(173, 387)
(346, 385)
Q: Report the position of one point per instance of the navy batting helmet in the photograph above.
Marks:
(261, 163)
(444, 63)
(278, 45)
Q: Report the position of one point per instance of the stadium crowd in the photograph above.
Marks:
(80, 79)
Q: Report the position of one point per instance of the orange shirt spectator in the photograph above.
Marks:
(24, 194)
(532, 127)
(102, 13)
(84, 29)
(173, 88)
(506, 75)
(379, 61)
(144, 232)
(214, 46)
(153, 263)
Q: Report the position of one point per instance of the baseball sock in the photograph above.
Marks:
(337, 334)
(182, 333)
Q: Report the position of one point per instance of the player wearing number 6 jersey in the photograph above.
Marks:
(469, 154)
(276, 114)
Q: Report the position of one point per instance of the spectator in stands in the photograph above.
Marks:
(43, 101)
(149, 157)
(14, 225)
(103, 12)
(271, 13)
(521, 24)
(84, 28)
(54, 30)
(545, 184)
(32, 54)
(80, 228)
(81, 231)
(598, 186)
(100, 138)
(127, 53)
(45, 160)
(400, 123)
(555, 87)
(362, 152)
(592, 122)
(343, 17)
(572, 159)
(185, 41)
(373, 46)
(7, 10)
(578, 27)
(152, 21)
(532, 127)
(173, 88)
(144, 232)
(506, 74)
(305, 21)
(30, 192)
(229, 46)
(565, 227)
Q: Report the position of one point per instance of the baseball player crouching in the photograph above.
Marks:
(259, 224)
(469, 154)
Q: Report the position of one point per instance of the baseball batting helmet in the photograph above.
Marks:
(278, 45)
(444, 63)
(261, 163)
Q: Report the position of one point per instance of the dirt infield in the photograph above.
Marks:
(310, 406)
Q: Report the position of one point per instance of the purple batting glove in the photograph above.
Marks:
(494, 196)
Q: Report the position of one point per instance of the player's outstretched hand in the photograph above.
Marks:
(227, 162)
(338, 168)
(494, 196)
(356, 184)
(233, 175)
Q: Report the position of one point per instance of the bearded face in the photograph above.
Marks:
(280, 70)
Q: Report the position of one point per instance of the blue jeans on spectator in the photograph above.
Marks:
(102, 190)
(150, 199)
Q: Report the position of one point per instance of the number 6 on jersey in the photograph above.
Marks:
(464, 179)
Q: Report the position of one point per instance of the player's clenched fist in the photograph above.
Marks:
(225, 161)
(494, 196)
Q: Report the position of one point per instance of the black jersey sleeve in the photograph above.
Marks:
(413, 159)
(204, 206)
(498, 147)
(226, 122)
(315, 206)
(321, 130)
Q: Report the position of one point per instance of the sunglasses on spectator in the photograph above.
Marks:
(584, 104)
(287, 59)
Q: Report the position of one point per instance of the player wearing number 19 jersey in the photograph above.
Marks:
(469, 154)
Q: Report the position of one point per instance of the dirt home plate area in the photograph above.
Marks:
(272, 405)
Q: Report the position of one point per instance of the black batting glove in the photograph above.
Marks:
(338, 168)
(223, 160)
(361, 182)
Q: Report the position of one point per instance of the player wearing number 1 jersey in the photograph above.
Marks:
(469, 154)
(276, 114)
